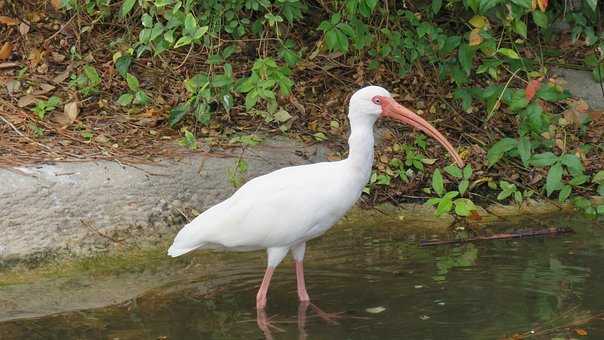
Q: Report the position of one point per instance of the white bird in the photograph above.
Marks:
(282, 210)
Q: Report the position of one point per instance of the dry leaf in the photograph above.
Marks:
(542, 4)
(532, 88)
(581, 331)
(36, 56)
(26, 100)
(44, 89)
(6, 50)
(69, 115)
(23, 28)
(577, 112)
(475, 38)
(8, 21)
(59, 78)
(57, 57)
(56, 4)
(13, 86)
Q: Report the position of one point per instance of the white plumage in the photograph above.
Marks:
(282, 210)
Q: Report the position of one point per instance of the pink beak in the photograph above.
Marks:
(394, 110)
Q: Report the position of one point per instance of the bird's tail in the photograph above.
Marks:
(174, 252)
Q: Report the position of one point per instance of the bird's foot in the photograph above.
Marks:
(330, 318)
(265, 323)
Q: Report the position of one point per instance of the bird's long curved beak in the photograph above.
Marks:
(394, 110)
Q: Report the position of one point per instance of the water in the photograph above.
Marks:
(383, 283)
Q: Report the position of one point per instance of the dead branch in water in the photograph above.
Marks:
(503, 236)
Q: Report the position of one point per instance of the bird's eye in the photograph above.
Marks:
(376, 100)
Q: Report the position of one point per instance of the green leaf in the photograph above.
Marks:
(125, 99)
(486, 5)
(518, 197)
(523, 3)
(503, 195)
(591, 60)
(463, 206)
(444, 206)
(543, 159)
(437, 182)
(598, 177)
(467, 171)
(499, 149)
(573, 163)
(126, 7)
(453, 170)
(133, 83)
(551, 93)
(451, 195)
(540, 19)
(52, 102)
(436, 5)
(183, 41)
(519, 27)
(147, 20)
(592, 4)
(524, 149)
(518, 100)
(342, 41)
(463, 186)
(92, 75)
(564, 192)
(190, 24)
(141, 98)
(553, 181)
(432, 202)
(465, 56)
(508, 53)
(177, 113)
(578, 180)
(598, 73)
(122, 64)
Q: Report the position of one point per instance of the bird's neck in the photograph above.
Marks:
(360, 143)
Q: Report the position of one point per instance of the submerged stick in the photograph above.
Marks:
(503, 236)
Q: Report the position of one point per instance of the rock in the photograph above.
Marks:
(76, 206)
(581, 84)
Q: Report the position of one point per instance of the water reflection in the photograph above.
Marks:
(383, 286)
(267, 325)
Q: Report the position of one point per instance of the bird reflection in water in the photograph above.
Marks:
(267, 325)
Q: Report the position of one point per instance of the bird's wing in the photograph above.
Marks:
(271, 210)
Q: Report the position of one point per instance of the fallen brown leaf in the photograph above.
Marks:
(59, 78)
(44, 89)
(36, 57)
(576, 112)
(475, 38)
(6, 50)
(581, 331)
(56, 4)
(26, 100)
(69, 115)
(23, 28)
(8, 21)
(531, 88)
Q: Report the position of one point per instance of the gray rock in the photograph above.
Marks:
(582, 84)
(85, 207)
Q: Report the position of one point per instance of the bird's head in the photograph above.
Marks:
(375, 102)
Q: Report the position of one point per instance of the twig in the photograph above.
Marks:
(503, 236)
(91, 227)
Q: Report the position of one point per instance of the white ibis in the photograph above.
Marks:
(282, 210)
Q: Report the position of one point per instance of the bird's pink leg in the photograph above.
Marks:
(261, 296)
(302, 294)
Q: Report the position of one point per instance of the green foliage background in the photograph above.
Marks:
(487, 52)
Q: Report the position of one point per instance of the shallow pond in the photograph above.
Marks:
(382, 282)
